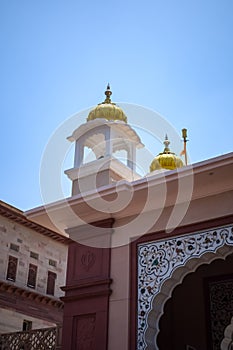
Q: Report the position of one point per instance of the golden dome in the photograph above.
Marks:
(166, 159)
(107, 110)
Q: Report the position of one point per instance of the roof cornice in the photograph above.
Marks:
(17, 216)
(31, 295)
(220, 167)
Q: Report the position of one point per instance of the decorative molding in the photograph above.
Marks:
(157, 262)
(87, 295)
(30, 303)
(92, 289)
(91, 283)
(7, 288)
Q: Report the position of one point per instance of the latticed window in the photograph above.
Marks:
(32, 273)
(51, 282)
(12, 268)
(46, 338)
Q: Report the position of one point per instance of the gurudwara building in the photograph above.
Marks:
(150, 258)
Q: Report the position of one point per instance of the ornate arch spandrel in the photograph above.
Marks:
(163, 264)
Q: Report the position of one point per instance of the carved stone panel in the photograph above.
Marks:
(84, 332)
(85, 262)
(88, 260)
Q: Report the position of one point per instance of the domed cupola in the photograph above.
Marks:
(166, 160)
(107, 110)
(112, 143)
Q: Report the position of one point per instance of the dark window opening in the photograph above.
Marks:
(34, 255)
(52, 262)
(14, 247)
(51, 282)
(12, 268)
(27, 325)
(32, 273)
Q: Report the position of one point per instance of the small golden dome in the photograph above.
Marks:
(166, 159)
(107, 110)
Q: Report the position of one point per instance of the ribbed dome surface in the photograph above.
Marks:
(166, 159)
(107, 110)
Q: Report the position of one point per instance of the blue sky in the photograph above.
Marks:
(172, 56)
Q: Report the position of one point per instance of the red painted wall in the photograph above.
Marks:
(86, 301)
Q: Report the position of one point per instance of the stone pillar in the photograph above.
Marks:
(87, 290)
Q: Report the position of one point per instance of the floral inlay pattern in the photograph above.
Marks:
(159, 259)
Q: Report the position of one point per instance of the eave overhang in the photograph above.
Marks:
(210, 177)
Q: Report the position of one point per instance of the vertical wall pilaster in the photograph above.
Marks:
(87, 290)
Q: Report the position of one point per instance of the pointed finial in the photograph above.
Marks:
(108, 93)
(166, 144)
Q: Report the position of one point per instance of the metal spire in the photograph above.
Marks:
(108, 93)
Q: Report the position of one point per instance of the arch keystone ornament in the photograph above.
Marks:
(163, 264)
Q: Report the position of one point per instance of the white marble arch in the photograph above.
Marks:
(173, 276)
